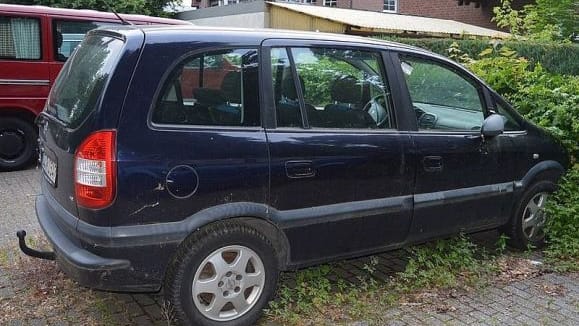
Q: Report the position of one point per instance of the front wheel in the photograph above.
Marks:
(527, 226)
(224, 274)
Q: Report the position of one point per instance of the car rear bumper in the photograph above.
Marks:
(132, 267)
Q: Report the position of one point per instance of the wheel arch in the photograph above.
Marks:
(25, 114)
(546, 170)
(252, 214)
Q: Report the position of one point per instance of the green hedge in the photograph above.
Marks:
(554, 57)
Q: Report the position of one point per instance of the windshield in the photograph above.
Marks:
(81, 82)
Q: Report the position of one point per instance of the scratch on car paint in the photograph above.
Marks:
(146, 206)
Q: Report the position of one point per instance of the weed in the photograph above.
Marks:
(443, 263)
(501, 244)
(168, 313)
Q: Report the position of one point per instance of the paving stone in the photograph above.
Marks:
(133, 309)
(143, 321)
(518, 303)
(154, 312)
(143, 299)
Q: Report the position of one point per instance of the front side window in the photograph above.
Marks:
(218, 88)
(390, 5)
(67, 35)
(20, 38)
(340, 89)
(511, 122)
(442, 98)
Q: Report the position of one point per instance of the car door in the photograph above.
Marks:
(464, 182)
(341, 182)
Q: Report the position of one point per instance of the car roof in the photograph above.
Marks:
(84, 13)
(261, 34)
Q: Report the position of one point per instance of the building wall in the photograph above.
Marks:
(250, 20)
(444, 9)
(449, 9)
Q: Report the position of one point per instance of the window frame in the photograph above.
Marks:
(41, 45)
(388, 74)
(482, 90)
(330, 3)
(384, 4)
(170, 73)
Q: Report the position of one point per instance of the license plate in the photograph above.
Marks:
(49, 166)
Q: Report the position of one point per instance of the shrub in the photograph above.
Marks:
(549, 100)
(556, 58)
(563, 224)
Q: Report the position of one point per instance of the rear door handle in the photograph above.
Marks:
(432, 163)
(299, 169)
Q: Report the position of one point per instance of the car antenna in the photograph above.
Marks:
(125, 22)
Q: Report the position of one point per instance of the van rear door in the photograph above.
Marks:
(87, 96)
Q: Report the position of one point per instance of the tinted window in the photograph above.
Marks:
(19, 38)
(511, 123)
(81, 82)
(215, 89)
(442, 97)
(68, 34)
(340, 88)
(287, 104)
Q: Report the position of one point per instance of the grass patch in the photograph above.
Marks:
(435, 271)
(446, 264)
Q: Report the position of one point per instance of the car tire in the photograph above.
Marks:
(526, 227)
(227, 264)
(18, 143)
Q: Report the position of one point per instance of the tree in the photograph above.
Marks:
(144, 7)
(544, 20)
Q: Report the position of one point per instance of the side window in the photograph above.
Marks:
(442, 98)
(511, 123)
(19, 38)
(343, 88)
(67, 35)
(217, 88)
(287, 105)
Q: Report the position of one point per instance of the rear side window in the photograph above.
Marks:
(67, 35)
(83, 78)
(20, 38)
(218, 88)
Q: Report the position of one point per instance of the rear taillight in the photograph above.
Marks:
(95, 170)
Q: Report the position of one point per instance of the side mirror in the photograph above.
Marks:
(494, 125)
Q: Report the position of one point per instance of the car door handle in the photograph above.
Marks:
(432, 163)
(299, 169)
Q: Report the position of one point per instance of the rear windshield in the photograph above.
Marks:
(81, 82)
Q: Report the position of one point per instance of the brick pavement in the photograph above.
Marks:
(549, 299)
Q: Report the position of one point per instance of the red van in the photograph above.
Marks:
(35, 41)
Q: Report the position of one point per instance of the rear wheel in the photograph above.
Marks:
(224, 274)
(526, 228)
(17, 143)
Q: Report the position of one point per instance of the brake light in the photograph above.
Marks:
(95, 170)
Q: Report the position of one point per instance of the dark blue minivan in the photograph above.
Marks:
(205, 161)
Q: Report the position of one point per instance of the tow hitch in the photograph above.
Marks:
(32, 252)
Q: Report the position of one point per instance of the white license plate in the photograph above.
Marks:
(49, 166)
